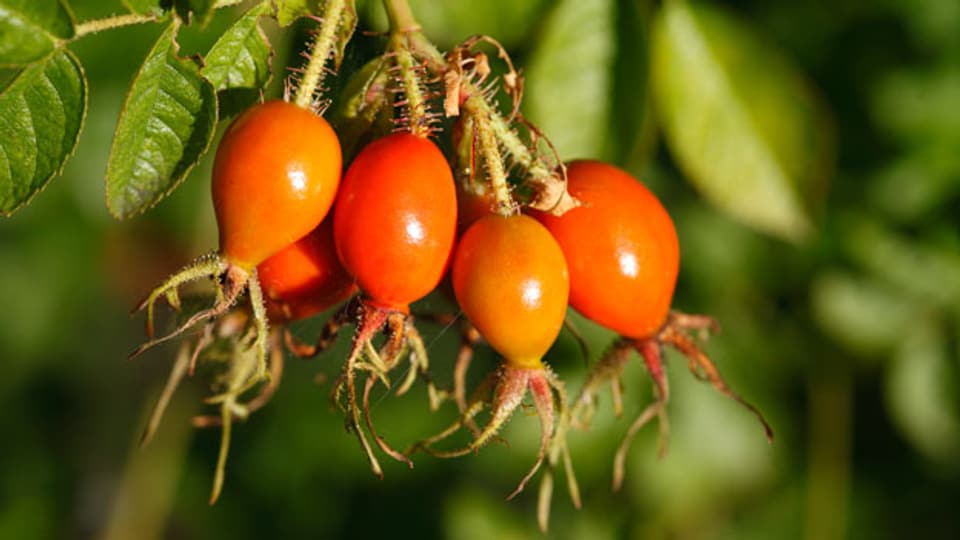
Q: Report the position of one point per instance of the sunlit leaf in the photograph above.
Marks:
(589, 63)
(740, 121)
(41, 115)
(291, 10)
(31, 29)
(167, 123)
(241, 57)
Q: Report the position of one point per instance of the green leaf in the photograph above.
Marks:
(598, 79)
(31, 29)
(574, 76)
(740, 121)
(241, 57)
(925, 270)
(862, 314)
(449, 22)
(291, 10)
(348, 23)
(41, 115)
(166, 125)
(922, 393)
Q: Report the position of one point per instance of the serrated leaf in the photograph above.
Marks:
(31, 29)
(166, 125)
(41, 115)
(241, 57)
(290, 10)
(740, 121)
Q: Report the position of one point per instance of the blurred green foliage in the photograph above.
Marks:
(849, 340)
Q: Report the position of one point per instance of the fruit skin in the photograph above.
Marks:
(305, 277)
(621, 247)
(472, 205)
(395, 219)
(275, 176)
(511, 280)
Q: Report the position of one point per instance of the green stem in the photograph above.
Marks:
(829, 442)
(128, 19)
(400, 16)
(321, 51)
(492, 159)
(416, 102)
(117, 21)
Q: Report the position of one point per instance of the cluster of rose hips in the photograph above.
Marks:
(300, 238)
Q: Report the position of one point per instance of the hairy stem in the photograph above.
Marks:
(436, 62)
(414, 98)
(490, 148)
(128, 19)
(322, 49)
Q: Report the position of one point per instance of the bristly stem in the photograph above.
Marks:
(492, 158)
(323, 48)
(117, 21)
(511, 141)
(413, 94)
(539, 170)
(128, 19)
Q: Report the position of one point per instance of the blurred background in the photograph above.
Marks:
(808, 152)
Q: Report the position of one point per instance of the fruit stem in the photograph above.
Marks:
(259, 310)
(400, 16)
(492, 159)
(323, 48)
(510, 140)
(540, 172)
(180, 367)
(414, 100)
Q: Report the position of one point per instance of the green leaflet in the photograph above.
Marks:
(166, 125)
(241, 57)
(31, 29)
(291, 10)
(41, 115)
